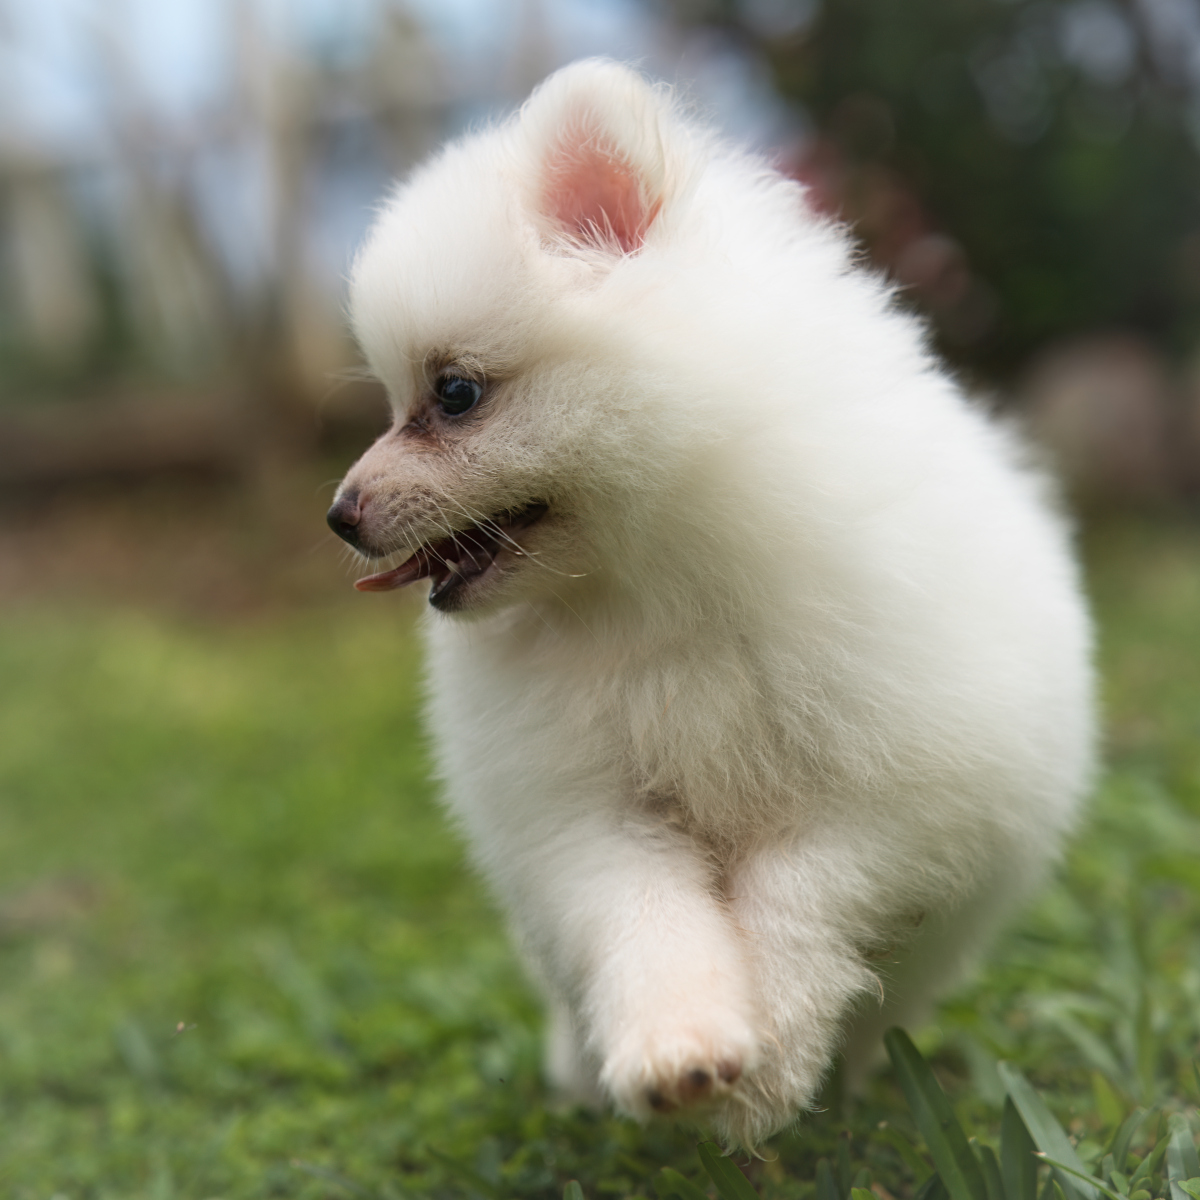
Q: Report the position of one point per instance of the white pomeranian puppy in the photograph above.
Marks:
(759, 671)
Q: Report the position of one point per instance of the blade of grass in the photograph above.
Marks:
(1108, 1103)
(1123, 1138)
(639, 1166)
(572, 1191)
(1108, 1170)
(991, 1171)
(908, 1152)
(932, 1189)
(826, 1187)
(1048, 1135)
(1149, 1164)
(1184, 1141)
(331, 1177)
(730, 1183)
(935, 1119)
(472, 1178)
(1017, 1164)
(844, 1180)
(1062, 1167)
(669, 1182)
(1107, 1167)
(1182, 1162)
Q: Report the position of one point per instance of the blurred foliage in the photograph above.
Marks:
(241, 956)
(200, 242)
(1054, 141)
(1026, 170)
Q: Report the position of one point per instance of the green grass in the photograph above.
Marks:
(240, 954)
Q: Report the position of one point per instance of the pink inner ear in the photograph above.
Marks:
(594, 195)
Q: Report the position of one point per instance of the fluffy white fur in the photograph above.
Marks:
(787, 699)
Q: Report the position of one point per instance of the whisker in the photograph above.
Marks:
(449, 532)
(533, 608)
(489, 523)
(320, 543)
(577, 617)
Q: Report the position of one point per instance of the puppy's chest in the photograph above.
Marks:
(685, 734)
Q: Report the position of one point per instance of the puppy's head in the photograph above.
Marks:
(492, 299)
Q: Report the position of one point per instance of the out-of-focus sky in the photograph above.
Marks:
(176, 61)
(178, 49)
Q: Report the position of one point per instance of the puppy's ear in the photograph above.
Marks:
(596, 131)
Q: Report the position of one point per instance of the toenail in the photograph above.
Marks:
(729, 1072)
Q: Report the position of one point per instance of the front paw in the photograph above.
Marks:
(679, 1066)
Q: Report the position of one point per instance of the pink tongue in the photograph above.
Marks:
(409, 571)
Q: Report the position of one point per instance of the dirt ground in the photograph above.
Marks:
(199, 547)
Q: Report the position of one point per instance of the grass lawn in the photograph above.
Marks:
(240, 955)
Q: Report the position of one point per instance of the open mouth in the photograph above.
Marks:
(457, 561)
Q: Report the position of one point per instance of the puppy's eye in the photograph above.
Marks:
(455, 394)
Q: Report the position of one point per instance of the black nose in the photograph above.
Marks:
(344, 516)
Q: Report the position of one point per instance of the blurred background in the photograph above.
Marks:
(239, 952)
(183, 183)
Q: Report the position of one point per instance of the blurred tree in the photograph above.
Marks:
(1029, 168)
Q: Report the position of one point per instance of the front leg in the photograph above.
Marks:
(807, 908)
(670, 1000)
(624, 915)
